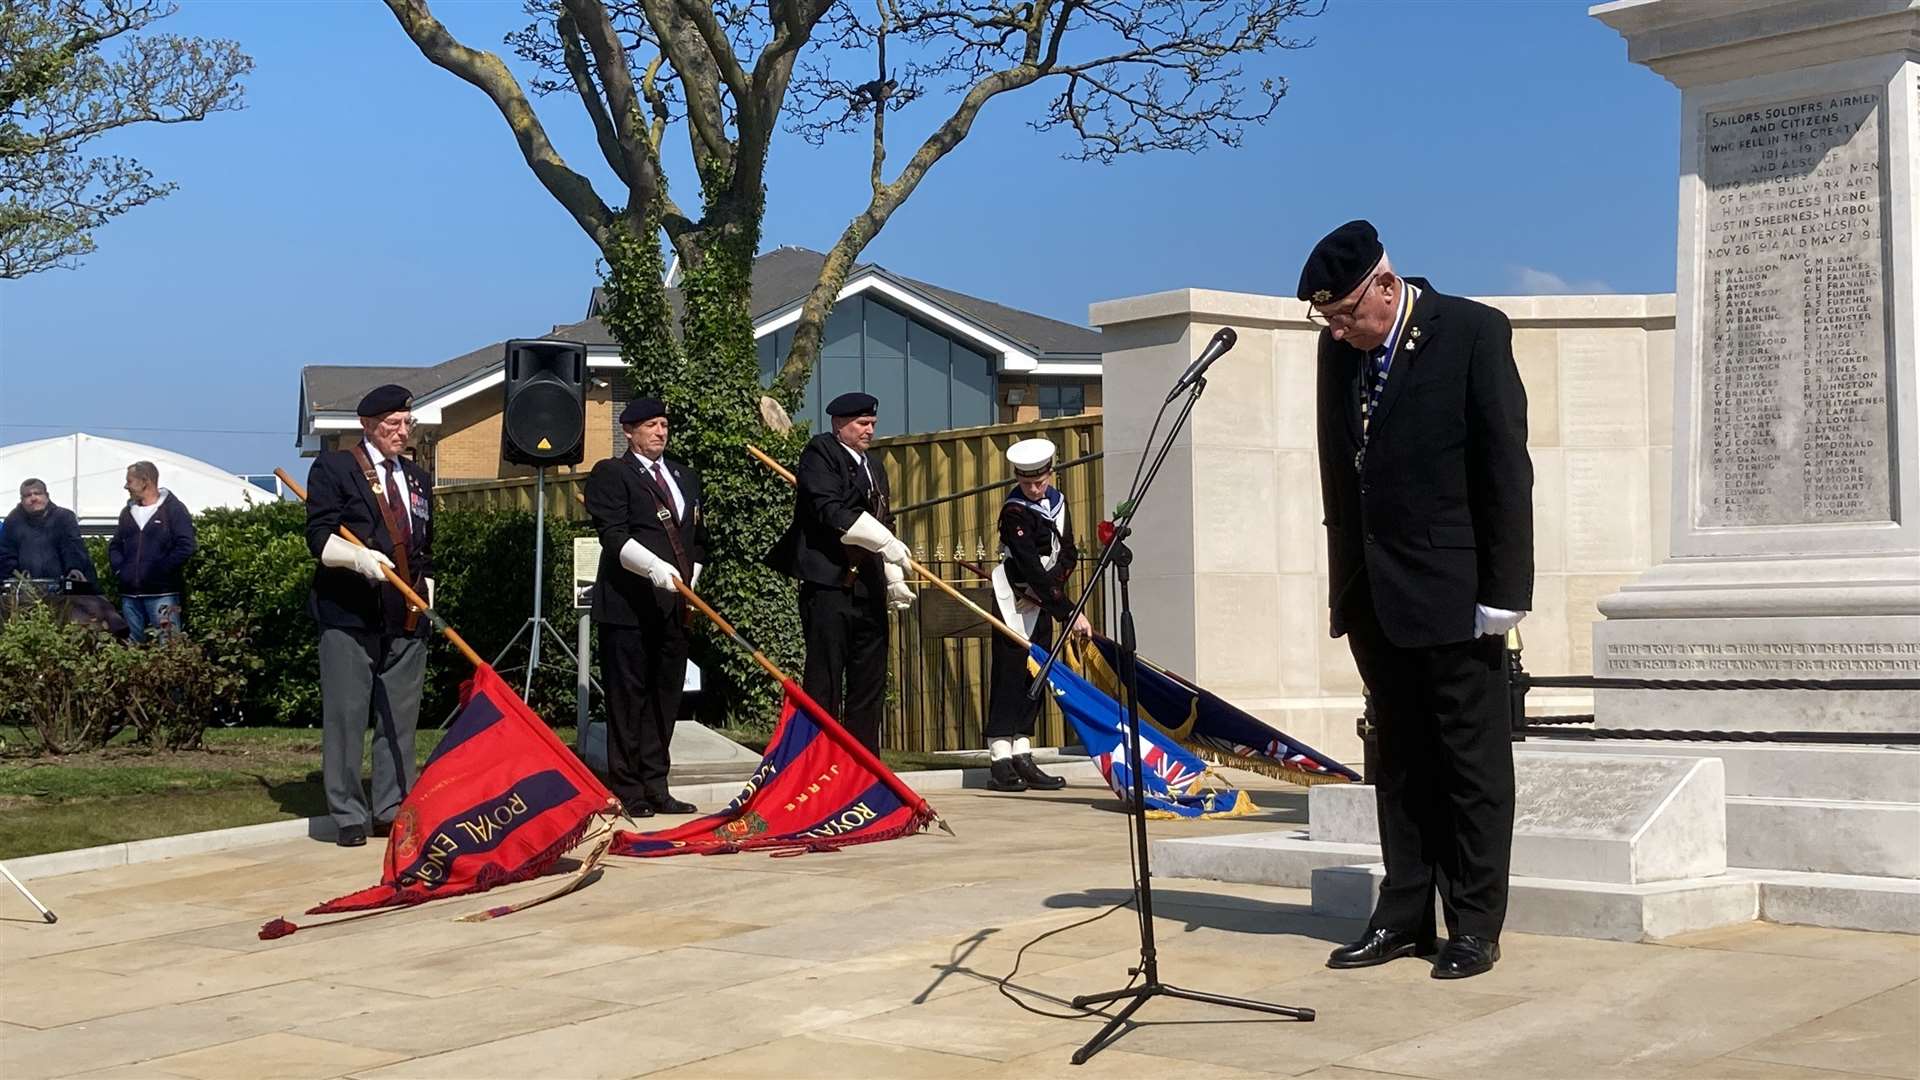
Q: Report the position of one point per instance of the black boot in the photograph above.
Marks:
(1037, 780)
(1004, 777)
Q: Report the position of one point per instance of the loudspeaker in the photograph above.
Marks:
(544, 420)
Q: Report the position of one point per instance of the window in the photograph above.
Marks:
(1061, 399)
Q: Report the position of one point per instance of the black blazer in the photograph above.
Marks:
(827, 499)
(1442, 517)
(623, 503)
(338, 494)
(1025, 537)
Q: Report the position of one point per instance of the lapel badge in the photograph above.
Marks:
(1415, 332)
(1409, 346)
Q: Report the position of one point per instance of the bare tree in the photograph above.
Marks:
(58, 94)
(1126, 77)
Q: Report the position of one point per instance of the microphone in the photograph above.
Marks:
(1222, 341)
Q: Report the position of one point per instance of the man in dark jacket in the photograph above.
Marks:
(1029, 587)
(373, 652)
(653, 532)
(1428, 493)
(850, 565)
(42, 540)
(149, 552)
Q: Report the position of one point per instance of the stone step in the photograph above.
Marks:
(1592, 817)
(1286, 859)
(1589, 909)
(1780, 770)
(1878, 839)
(1841, 901)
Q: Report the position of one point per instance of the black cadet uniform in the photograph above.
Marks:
(843, 587)
(1037, 555)
(1427, 489)
(373, 652)
(643, 629)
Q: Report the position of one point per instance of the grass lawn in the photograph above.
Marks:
(243, 776)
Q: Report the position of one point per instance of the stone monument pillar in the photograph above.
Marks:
(1795, 538)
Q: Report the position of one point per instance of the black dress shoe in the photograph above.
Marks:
(1378, 947)
(1466, 956)
(1003, 777)
(667, 804)
(636, 808)
(351, 836)
(383, 829)
(1037, 780)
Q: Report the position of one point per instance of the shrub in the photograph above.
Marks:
(76, 688)
(250, 579)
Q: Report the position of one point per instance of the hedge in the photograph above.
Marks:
(253, 570)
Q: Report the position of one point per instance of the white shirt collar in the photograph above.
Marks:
(647, 462)
(858, 457)
(373, 452)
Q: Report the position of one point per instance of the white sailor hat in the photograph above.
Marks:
(1031, 457)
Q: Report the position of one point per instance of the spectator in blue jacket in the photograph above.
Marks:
(149, 553)
(42, 540)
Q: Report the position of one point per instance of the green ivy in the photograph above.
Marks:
(710, 380)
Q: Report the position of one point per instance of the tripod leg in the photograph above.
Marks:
(497, 657)
(1099, 1041)
(1295, 1012)
(1085, 1000)
(44, 913)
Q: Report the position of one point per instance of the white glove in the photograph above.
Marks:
(695, 579)
(899, 597)
(1494, 621)
(867, 532)
(363, 561)
(656, 569)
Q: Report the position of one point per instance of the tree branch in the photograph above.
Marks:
(720, 50)
(699, 79)
(868, 223)
(583, 84)
(487, 72)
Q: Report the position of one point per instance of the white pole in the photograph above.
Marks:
(44, 913)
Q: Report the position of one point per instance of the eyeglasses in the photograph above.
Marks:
(1346, 314)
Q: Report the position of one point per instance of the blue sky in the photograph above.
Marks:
(369, 208)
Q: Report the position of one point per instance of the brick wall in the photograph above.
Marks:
(1029, 408)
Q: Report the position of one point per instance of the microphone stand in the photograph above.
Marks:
(1120, 557)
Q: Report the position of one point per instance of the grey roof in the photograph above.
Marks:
(332, 387)
(782, 278)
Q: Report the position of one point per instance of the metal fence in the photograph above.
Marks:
(947, 491)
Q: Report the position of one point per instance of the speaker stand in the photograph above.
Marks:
(536, 622)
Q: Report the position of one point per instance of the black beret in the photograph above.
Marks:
(382, 400)
(1339, 262)
(854, 403)
(641, 410)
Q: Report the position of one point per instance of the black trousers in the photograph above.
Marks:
(644, 669)
(846, 632)
(1445, 777)
(1010, 713)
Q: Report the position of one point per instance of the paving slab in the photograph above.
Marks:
(884, 961)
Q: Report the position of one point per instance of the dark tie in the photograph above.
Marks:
(666, 493)
(1380, 358)
(399, 507)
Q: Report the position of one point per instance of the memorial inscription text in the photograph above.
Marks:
(1793, 383)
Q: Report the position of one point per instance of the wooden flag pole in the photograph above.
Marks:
(393, 576)
(929, 575)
